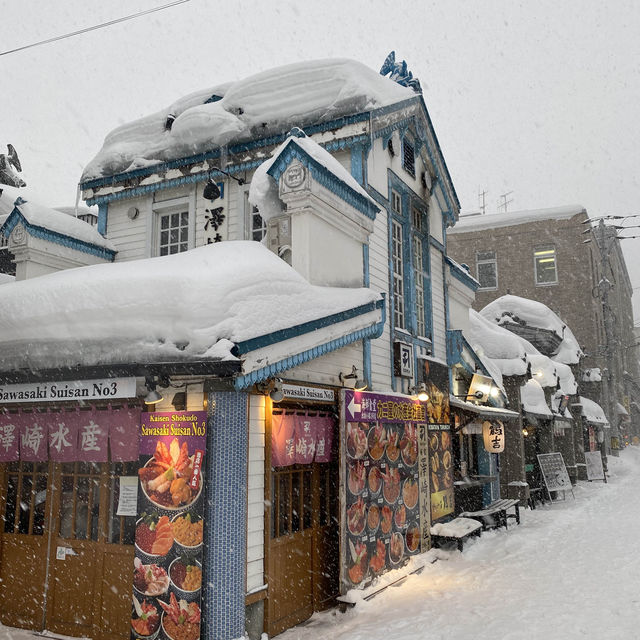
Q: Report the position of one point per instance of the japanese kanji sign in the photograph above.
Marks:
(300, 439)
(493, 436)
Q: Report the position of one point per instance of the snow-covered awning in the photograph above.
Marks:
(215, 303)
(620, 410)
(592, 412)
(483, 410)
(533, 400)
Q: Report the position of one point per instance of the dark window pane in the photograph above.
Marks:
(66, 506)
(306, 489)
(25, 504)
(82, 508)
(12, 501)
(39, 512)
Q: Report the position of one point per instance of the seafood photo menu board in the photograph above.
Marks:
(167, 578)
(382, 514)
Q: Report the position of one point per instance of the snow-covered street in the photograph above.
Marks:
(570, 570)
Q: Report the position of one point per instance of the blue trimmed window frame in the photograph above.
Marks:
(405, 218)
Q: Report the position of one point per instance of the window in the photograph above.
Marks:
(396, 201)
(416, 219)
(408, 156)
(173, 226)
(255, 225)
(398, 275)
(418, 262)
(173, 234)
(487, 269)
(545, 265)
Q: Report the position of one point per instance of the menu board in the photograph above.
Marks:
(167, 578)
(441, 465)
(382, 513)
(595, 470)
(554, 471)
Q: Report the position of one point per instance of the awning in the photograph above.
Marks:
(620, 410)
(483, 410)
(592, 412)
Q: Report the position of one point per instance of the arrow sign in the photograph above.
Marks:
(354, 408)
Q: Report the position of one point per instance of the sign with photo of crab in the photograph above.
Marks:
(169, 531)
(381, 506)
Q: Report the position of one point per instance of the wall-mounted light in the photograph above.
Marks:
(179, 401)
(211, 191)
(351, 380)
(421, 392)
(152, 397)
(272, 388)
(477, 394)
(525, 432)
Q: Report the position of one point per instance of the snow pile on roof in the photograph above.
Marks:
(568, 384)
(592, 375)
(79, 211)
(533, 400)
(54, 220)
(5, 277)
(170, 308)
(261, 105)
(476, 222)
(509, 309)
(593, 412)
(263, 192)
(503, 348)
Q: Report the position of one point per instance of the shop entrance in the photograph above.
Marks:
(65, 556)
(303, 541)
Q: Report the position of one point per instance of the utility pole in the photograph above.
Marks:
(505, 203)
(482, 195)
(604, 287)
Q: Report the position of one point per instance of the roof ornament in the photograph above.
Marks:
(399, 73)
(297, 132)
(7, 175)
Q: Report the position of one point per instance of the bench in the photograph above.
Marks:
(495, 515)
(457, 530)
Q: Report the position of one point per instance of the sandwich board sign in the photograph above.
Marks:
(554, 473)
(595, 471)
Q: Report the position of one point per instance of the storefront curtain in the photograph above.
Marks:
(69, 436)
(300, 438)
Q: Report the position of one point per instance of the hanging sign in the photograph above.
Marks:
(167, 579)
(493, 436)
(87, 390)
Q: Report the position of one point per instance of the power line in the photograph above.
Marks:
(97, 26)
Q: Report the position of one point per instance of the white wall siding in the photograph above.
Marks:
(325, 369)
(129, 236)
(255, 496)
(437, 301)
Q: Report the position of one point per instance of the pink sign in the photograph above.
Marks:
(300, 439)
(93, 436)
(33, 436)
(9, 438)
(63, 435)
(124, 434)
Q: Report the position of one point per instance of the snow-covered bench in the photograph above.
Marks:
(495, 515)
(456, 530)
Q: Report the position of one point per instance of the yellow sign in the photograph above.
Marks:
(441, 503)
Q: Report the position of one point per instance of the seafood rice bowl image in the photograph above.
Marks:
(188, 531)
(149, 579)
(181, 619)
(165, 478)
(145, 619)
(185, 576)
(154, 538)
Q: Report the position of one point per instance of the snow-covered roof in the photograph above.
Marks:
(189, 306)
(477, 222)
(263, 192)
(258, 106)
(533, 400)
(620, 410)
(79, 211)
(5, 277)
(514, 309)
(502, 347)
(593, 412)
(43, 218)
(592, 375)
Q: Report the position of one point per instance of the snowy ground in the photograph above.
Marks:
(570, 570)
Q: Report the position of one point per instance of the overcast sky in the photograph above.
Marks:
(539, 99)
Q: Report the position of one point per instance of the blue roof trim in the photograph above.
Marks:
(36, 231)
(307, 327)
(210, 155)
(173, 182)
(437, 244)
(459, 273)
(323, 176)
(276, 368)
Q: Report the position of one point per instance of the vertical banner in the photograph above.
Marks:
(167, 579)
(381, 507)
(425, 498)
(440, 458)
